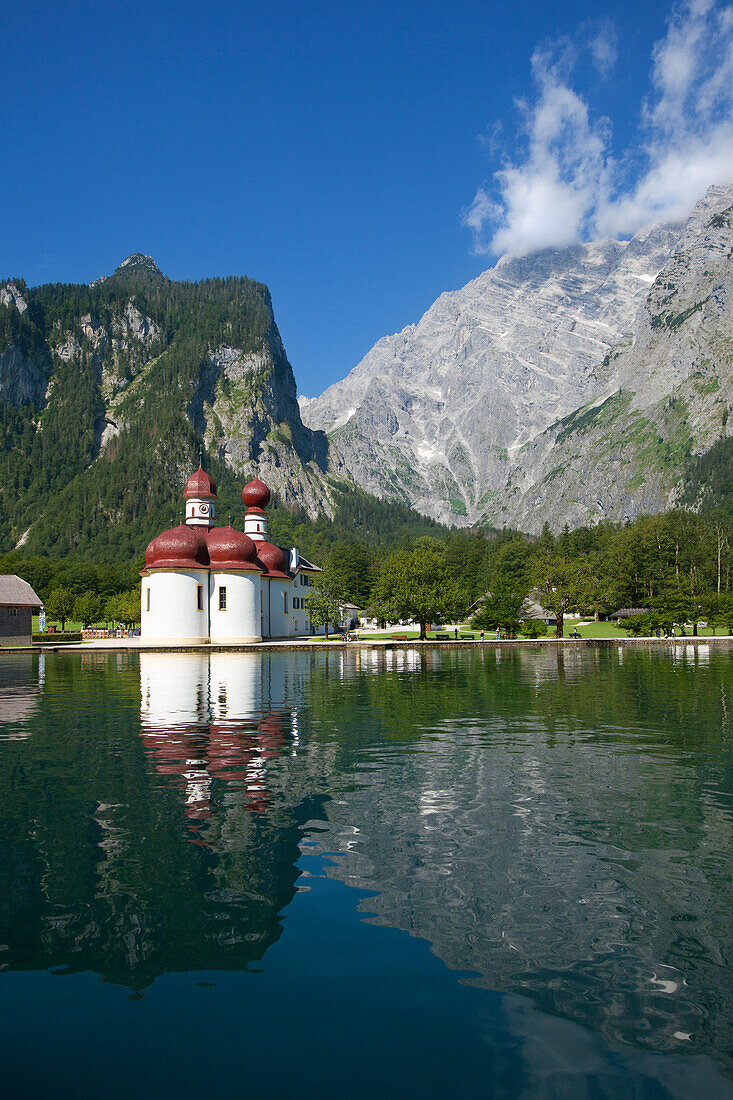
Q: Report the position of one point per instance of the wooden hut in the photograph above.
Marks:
(17, 604)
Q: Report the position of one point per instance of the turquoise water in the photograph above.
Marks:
(420, 872)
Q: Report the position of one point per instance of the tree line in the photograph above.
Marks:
(662, 571)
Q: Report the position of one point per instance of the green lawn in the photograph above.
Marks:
(71, 625)
(586, 630)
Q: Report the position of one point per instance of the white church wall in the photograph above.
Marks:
(281, 620)
(239, 620)
(173, 609)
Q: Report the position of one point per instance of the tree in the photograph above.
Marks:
(683, 601)
(562, 585)
(124, 608)
(323, 603)
(417, 585)
(502, 607)
(88, 609)
(509, 562)
(724, 612)
(60, 605)
(349, 567)
(533, 628)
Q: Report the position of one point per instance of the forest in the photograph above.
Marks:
(75, 517)
(674, 568)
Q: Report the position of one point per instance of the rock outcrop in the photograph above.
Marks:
(462, 414)
(110, 390)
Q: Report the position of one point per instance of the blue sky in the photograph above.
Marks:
(359, 158)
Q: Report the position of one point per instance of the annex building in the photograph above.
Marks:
(18, 601)
(203, 583)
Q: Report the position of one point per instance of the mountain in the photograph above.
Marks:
(561, 386)
(108, 392)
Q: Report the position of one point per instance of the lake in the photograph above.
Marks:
(500, 872)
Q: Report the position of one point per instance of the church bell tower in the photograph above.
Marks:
(200, 496)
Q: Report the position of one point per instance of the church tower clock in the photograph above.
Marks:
(200, 496)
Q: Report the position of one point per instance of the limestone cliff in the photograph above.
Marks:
(476, 413)
(109, 391)
(661, 397)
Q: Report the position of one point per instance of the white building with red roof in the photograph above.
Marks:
(203, 583)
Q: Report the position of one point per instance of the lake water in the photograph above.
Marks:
(419, 872)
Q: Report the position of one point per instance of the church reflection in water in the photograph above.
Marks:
(182, 797)
(219, 717)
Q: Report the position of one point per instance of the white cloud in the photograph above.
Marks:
(604, 48)
(569, 187)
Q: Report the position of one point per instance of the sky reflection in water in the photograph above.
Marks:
(553, 830)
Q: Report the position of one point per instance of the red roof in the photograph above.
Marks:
(255, 494)
(200, 485)
(273, 559)
(180, 547)
(230, 549)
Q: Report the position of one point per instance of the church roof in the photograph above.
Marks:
(180, 547)
(230, 549)
(200, 485)
(273, 559)
(255, 494)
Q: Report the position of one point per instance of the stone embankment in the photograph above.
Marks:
(134, 644)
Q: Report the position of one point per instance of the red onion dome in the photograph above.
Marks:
(181, 547)
(150, 551)
(255, 494)
(200, 485)
(273, 559)
(230, 549)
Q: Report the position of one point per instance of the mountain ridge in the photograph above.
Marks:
(445, 414)
(108, 392)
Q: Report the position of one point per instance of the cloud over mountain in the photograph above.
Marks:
(569, 185)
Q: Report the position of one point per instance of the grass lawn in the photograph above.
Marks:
(585, 629)
(594, 630)
(71, 625)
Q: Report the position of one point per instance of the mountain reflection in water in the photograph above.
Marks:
(556, 824)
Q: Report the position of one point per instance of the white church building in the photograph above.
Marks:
(203, 583)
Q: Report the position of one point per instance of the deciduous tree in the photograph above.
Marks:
(59, 605)
(418, 585)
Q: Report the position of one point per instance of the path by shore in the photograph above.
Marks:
(127, 645)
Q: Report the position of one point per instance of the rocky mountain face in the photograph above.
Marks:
(560, 386)
(109, 391)
(661, 397)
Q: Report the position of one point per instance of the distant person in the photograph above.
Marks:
(482, 635)
(498, 633)
(456, 632)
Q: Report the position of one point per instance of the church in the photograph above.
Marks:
(203, 583)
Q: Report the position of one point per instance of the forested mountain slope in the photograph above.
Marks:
(109, 392)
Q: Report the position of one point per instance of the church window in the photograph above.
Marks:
(199, 597)
(285, 603)
(147, 599)
(222, 599)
